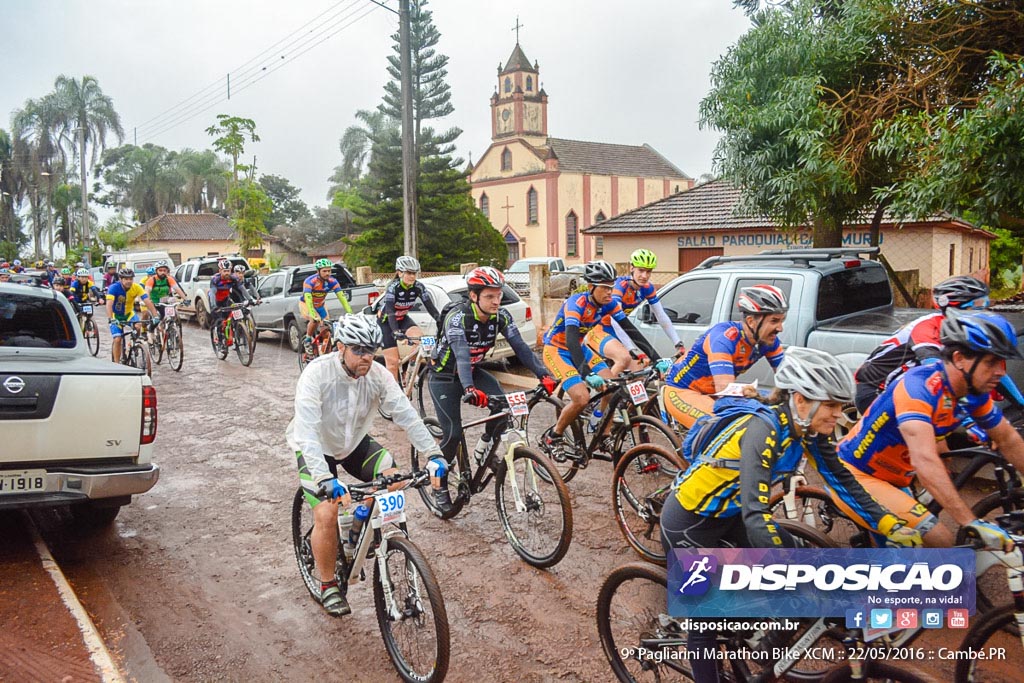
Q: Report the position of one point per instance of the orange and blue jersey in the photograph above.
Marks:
(725, 349)
(629, 297)
(319, 289)
(580, 311)
(875, 445)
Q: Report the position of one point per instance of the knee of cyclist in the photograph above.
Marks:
(325, 513)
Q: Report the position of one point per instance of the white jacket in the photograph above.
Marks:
(333, 412)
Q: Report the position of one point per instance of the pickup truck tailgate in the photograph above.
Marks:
(100, 416)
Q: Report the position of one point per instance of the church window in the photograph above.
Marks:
(531, 206)
(508, 84)
(506, 160)
(529, 82)
(599, 217)
(599, 246)
(571, 234)
(485, 205)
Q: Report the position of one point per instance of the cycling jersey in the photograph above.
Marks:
(398, 300)
(78, 291)
(221, 289)
(875, 445)
(911, 344)
(160, 288)
(724, 349)
(124, 300)
(467, 335)
(318, 289)
(580, 311)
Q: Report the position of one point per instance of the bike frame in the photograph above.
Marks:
(619, 401)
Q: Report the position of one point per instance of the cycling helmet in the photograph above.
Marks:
(151, 271)
(59, 281)
(82, 272)
(111, 264)
(982, 333)
(643, 258)
(51, 264)
(126, 272)
(358, 330)
(485, 276)
(323, 263)
(762, 300)
(17, 262)
(161, 264)
(599, 273)
(65, 271)
(224, 264)
(960, 291)
(4, 271)
(407, 264)
(239, 268)
(815, 374)
(79, 265)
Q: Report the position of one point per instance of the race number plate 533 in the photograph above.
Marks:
(392, 506)
(22, 481)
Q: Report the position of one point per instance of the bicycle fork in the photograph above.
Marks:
(517, 440)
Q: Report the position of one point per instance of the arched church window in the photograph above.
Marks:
(485, 205)
(531, 206)
(571, 234)
(599, 217)
(508, 84)
(506, 160)
(529, 82)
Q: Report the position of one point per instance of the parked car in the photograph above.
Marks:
(562, 281)
(448, 288)
(281, 292)
(138, 261)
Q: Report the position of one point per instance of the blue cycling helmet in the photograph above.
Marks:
(151, 271)
(981, 333)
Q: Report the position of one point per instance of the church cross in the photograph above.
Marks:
(507, 207)
(516, 28)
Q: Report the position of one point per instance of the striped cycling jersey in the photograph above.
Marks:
(319, 288)
(910, 344)
(875, 445)
(724, 349)
(403, 298)
(579, 310)
(629, 295)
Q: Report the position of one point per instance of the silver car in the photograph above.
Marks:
(561, 281)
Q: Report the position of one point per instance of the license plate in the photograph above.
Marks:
(86, 308)
(517, 402)
(428, 342)
(22, 481)
(170, 311)
(391, 505)
(637, 392)
(236, 314)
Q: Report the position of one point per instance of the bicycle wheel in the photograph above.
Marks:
(644, 430)
(806, 536)
(92, 336)
(991, 632)
(992, 588)
(641, 483)
(302, 530)
(243, 342)
(138, 356)
(219, 349)
(814, 507)
(156, 347)
(544, 412)
(458, 480)
(535, 511)
(877, 671)
(412, 618)
(304, 358)
(631, 619)
(175, 346)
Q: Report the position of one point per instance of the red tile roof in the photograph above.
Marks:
(603, 158)
(331, 249)
(183, 226)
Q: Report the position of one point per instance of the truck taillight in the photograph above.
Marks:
(529, 314)
(852, 263)
(372, 296)
(148, 431)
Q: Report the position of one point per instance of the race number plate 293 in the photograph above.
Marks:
(637, 392)
(428, 342)
(22, 481)
(392, 506)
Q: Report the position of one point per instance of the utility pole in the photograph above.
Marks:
(408, 153)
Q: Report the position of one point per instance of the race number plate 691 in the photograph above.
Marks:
(22, 481)
(392, 506)
(637, 392)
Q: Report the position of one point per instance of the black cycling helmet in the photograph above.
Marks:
(960, 291)
(126, 272)
(599, 273)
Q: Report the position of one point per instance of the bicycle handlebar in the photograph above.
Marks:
(500, 400)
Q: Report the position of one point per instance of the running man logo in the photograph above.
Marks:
(699, 569)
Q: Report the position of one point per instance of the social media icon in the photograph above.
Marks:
(931, 618)
(855, 618)
(881, 618)
(906, 618)
(956, 618)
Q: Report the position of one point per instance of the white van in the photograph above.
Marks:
(139, 261)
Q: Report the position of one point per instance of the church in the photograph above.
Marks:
(541, 192)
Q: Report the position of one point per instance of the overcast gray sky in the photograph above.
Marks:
(628, 73)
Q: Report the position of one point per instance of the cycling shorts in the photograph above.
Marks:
(598, 339)
(892, 498)
(686, 406)
(321, 311)
(115, 326)
(559, 362)
(365, 463)
(389, 338)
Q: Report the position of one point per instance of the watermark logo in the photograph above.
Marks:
(699, 570)
(956, 618)
(931, 618)
(855, 618)
(881, 618)
(906, 618)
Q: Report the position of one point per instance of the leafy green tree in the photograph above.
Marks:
(205, 186)
(147, 180)
(252, 206)
(355, 145)
(37, 156)
(288, 207)
(229, 135)
(114, 234)
(10, 225)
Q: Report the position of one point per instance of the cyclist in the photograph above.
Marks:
(336, 399)
(629, 291)
(222, 286)
(80, 288)
(574, 363)
(239, 274)
(399, 297)
(59, 285)
(5, 275)
(467, 333)
(110, 277)
(121, 300)
(314, 292)
(917, 342)
(725, 351)
(161, 285)
(16, 267)
(745, 447)
(902, 433)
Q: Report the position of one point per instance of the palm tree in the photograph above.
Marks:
(8, 222)
(205, 185)
(88, 113)
(38, 155)
(355, 146)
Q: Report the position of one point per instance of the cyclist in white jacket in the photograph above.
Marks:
(335, 401)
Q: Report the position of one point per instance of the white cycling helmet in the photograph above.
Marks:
(407, 264)
(82, 272)
(815, 375)
(358, 330)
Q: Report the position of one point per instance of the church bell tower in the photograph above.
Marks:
(519, 106)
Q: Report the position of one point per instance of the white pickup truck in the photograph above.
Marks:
(59, 445)
(194, 277)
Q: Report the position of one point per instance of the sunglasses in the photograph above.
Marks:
(363, 351)
(982, 302)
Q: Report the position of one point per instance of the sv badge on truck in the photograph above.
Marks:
(113, 442)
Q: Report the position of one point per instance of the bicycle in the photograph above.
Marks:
(412, 372)
(625, 423)
(643, 479)
(167, 337)
(406, 594)
(532, 500)
(134, 350)
(89, 329)
(322, 344)
(230, 332)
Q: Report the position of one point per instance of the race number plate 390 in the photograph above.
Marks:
(637, 392)
(22, 481)
(392, 506)
(517, 402)
(236, 314)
